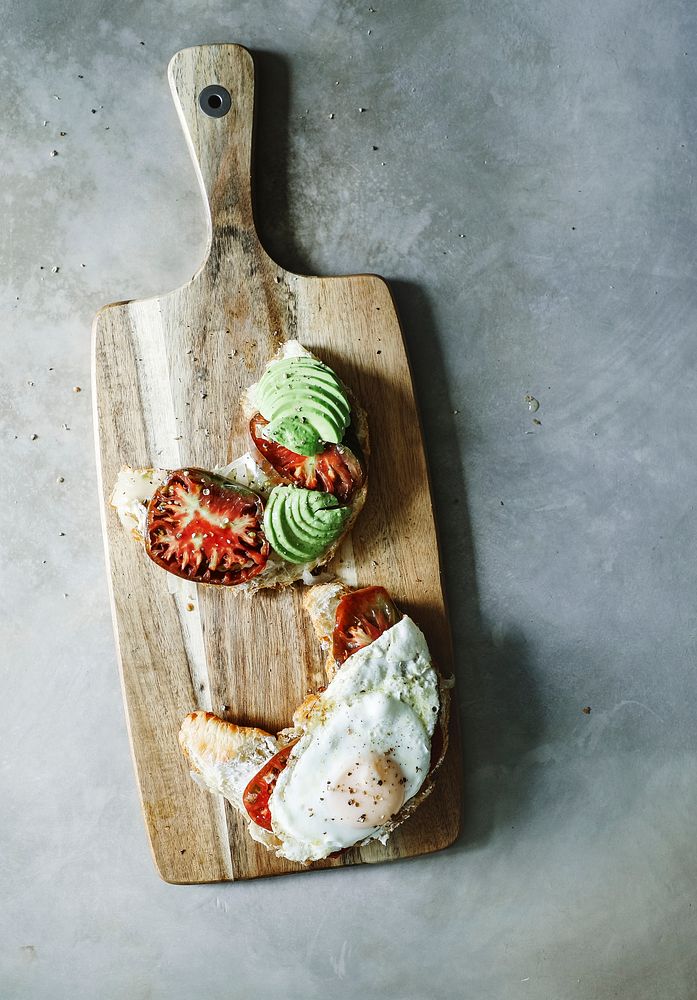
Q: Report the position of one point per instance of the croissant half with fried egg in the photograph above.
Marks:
(361, 754)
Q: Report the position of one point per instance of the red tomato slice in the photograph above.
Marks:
(258, 792)
(335, 470)
(361, 617)
(205, 528)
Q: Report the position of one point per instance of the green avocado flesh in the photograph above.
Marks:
(305, 404)
(300, 524)
(295, 433)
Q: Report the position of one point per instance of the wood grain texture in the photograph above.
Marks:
(168, 375)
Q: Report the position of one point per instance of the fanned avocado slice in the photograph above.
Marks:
(305, 404)
(301, 524)
(277, 531)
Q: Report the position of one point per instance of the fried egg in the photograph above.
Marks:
(364, 751)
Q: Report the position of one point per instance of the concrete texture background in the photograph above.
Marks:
(559, 140)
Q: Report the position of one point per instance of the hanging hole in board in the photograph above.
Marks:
(215, 101)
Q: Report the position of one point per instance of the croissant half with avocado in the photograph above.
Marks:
(361, 754)
(281, 510)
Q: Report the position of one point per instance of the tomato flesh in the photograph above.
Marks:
(361, 617)
(205, 528)
(258, 792)
(335, 470)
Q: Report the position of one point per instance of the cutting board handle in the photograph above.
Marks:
(204, 80)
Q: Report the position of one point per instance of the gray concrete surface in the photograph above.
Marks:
(559, 140)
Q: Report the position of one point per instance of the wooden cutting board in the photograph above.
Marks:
(168, 375)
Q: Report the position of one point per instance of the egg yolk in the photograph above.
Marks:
(367, 794)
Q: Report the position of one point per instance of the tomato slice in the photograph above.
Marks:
(258, 792)
(205, 528)
(361, 617)
(335, 470)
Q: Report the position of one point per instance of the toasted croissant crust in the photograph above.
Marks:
(321, 602)
(203, 736)
(222, 754)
